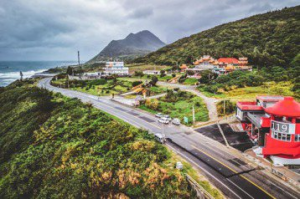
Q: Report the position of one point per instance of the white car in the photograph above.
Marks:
(176, 121)
(164, 120)
(159, 115)
(168, 117)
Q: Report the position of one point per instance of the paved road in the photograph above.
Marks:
(224, 169)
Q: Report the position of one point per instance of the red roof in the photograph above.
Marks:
(286, 107)
(228, 60)
(249, 106)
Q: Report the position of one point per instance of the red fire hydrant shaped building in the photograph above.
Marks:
(273, 122)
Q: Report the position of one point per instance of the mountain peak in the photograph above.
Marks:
(135, 44)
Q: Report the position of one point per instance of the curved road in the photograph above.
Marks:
(224, 168)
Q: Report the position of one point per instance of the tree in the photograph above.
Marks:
(162, 73)
(154, 80)
(135, 83)
(138, 73)
(152, 103)
(190, 72)
(70, 70)
(189, 59)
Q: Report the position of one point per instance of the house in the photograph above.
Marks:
(205, 62)
(273, 122)
(183, 67)
(117, 68)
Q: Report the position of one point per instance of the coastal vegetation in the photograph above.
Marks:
(268, 40)
(53, 146)
(98, 87)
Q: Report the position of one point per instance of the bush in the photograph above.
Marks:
(229, 107)
(98, 82)
(162, 73)
(152, 103)
(136, 83)
(138, 73)
(154, 80)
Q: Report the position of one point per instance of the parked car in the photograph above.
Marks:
(176, 121)
(168, 117)
(159, 115)
(164, 120)
(160, 137)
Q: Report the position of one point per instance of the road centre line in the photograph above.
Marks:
(235, 172)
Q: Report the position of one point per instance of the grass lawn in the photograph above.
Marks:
(142, 67)
(155, 90)
(181, 107)
(106, 89)
(190, 81)
(158, 90)
(250, 93)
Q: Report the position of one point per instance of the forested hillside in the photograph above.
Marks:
(56, 147)
(270, 39)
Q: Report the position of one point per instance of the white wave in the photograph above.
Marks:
(16, 75)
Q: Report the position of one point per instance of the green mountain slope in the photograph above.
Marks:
(267, 39)
(57, 147)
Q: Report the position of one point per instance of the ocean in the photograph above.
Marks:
(10, 70)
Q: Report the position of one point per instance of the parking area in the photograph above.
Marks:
(238, 140)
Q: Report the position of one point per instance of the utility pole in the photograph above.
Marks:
(224, 107)
(194, 118)
(78, 58)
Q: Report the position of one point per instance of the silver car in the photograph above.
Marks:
(164, 120)
(176, 121)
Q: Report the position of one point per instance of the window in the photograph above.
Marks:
(297, 138)
(281, 136)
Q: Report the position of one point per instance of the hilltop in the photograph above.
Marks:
(266, 39)
(133, 45)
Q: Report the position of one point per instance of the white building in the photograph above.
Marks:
(151, 72)
(116, 68)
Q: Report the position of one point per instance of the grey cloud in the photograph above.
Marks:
(55, 30)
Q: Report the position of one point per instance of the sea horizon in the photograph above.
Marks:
(10, 70)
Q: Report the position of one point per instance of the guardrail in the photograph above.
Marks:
(201, 192)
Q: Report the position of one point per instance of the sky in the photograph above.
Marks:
(56, 29)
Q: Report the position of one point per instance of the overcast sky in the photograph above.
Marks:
(56, 29)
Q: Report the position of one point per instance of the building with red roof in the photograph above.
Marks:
(273, 123)
(228, 60)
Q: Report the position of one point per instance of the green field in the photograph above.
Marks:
(108, 88)
(190, 81)
(179, 105)
(250, 93)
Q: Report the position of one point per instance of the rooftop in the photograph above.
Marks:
(228, 60)
(269, 98)
(249, 106)
(286, 107)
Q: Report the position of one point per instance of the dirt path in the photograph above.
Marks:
(210, 103)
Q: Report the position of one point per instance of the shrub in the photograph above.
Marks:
(229, 107)
(135, 83)
(152, 103)
(162, 73)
